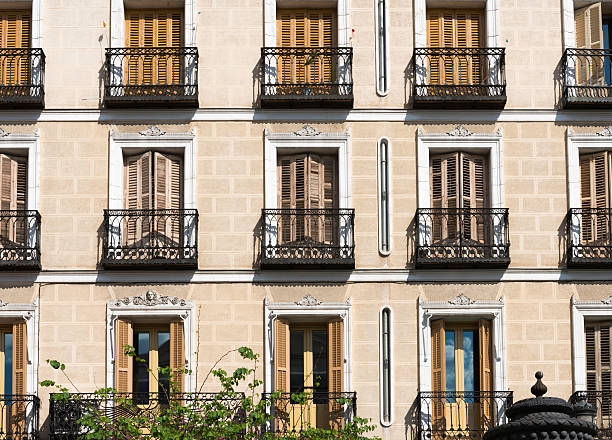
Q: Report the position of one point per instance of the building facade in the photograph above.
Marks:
(410, 201)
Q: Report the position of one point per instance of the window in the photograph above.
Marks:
(595, 194)
(598, 369)
(382, 49)
(15, 33)
(386, 404)
(159, 346)
(384, 197)
(13, 197)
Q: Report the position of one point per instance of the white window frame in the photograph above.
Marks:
(306, 139)
(382, 55)
(307, 307)
(389, 199)
(152, 138)
(460, 139)
(461, 307)
(383, 422)
(569, 31)
(155, 307)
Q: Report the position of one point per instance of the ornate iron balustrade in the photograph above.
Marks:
(295, 412)
(307, 76)
(166, 76)
(19, 417)
(587, 77)
(19, 239)
(64, 414)
(150, 237)
(589, 236)
(459, 76)
(467, 415)
(308, 237)
(462, 236)
(603, 402)
(22, 78)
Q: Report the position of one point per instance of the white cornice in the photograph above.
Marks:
(314, 115)
(308, 276)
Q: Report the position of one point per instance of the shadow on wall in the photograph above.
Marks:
(408, 84)
(562, 234)
(411, 421)
(257, 237)
(558, 85)
(411, 243)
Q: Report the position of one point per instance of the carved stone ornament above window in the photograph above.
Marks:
(606, 131)
(460, 131)
(3, 133)
(153, 130)
(307, 130)
(151, 298)
(461, 300)
(308, 301)
(608, 300)
(3, 304)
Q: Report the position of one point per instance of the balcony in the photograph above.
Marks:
(453, 415)
(462, 237)
(587, 78)
(307, 77)
(150, 238)
(65, 413)
(19, 239)
(454, 77)
(589, 237)
(151, 76)
(22, 78)
(299, 238)
(293, 413)
(603, 402)
(19, 417)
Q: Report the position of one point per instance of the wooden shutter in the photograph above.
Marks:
(444, 172)
(138, 194)
(123, 362)
(336, 370)
(485, 347)
(281, 355)
(438, 371)
(598, 364)
(20, 358)
(473, 195)
(15, 33)
(177, 354)
(589, 35)
(595, 182)
(13, 196)
(168, 180)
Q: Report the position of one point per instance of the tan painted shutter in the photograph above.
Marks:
(589, 35)
(473, 194)
(438, 371)
(17, 423)
(281, 355)
(13, 195)
(444, 172)
(292, 175)
(598, 364)
(177, 353)
(336, 370)
(123, 362)
(595, 182)
(434, 39)
(485, 347)
(15, 33)
(138, 194)
(168, 177)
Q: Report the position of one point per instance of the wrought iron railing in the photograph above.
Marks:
(603, 402)
(467, 415)
(308, 237)
(295, 412)
(589, 236)
(587, 76)
(19, 417)
(19, 239)
(65, 413)
(459, 236)
(460, 74)
(144, 237)
(22, 77)
(151, 75)
(321, 75)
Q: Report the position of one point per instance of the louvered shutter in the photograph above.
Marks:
(281, 355)
(138, 195)
(438, 372)
(292, 175)
(336, 370)
(434, 39)
(597, 338)
(473, 195)
(17, 422)
(177, 354)
(123, 362)
(595, 182)
(15, 33)
(486, 371)
(168, 179)
(13, 196)
(444, 172)
(589, 35)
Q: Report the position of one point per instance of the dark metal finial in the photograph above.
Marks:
(539, 389)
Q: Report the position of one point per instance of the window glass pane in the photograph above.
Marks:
(8, 363)
(297, 361)
(469, 368)
(449, 341)
(141, 375)
(319, 361)
(163, 344)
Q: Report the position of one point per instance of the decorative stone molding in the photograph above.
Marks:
(608, 300)
(308, 301)
(3, 304)
(151, 298)
(307, 130)
(460, 131)
(606, 131)
(3, 133)
(461, 300)
(153, 130)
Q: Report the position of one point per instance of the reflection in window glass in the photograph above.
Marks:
(163, 344)
(449, 341)
(468, 361)
(141, 375)
(296, 365)
(319, 361)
